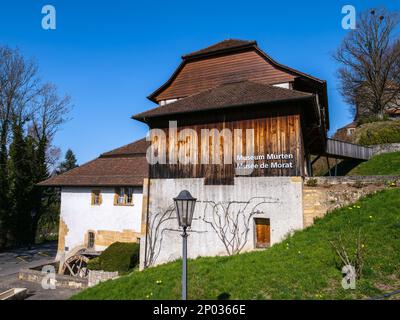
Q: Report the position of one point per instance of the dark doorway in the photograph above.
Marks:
(90, 244)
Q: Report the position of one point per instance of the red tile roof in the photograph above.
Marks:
(350, 125)
(393, 111)
(125, 166)
(136, 148)
(225, 96)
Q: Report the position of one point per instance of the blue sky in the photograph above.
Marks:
(109, 55)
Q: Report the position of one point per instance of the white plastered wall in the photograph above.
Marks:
(284, 209)
(80, 215)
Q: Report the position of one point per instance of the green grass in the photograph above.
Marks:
(303, 266)
(381, 164)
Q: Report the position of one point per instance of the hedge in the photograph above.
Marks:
(119, 256)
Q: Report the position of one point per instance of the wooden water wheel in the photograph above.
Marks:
(76, 266)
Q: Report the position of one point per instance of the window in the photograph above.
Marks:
(90, 243)
(350, 131)
(123, 196)
(96, 198)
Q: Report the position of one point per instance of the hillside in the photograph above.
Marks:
(378, 132)
(301, 267)
(381, 164)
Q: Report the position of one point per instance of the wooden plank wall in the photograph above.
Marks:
(199, 75)
(277, 134)
(342, 149)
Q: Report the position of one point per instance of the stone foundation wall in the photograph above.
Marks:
(385, 148)
(61, 281)
(330, 193)
(104, 238)
(62, 232)
(351, 180)
(97, 276)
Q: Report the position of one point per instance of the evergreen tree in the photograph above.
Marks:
(68, 163)
(4, 190)
(21, 186)
(42, 198)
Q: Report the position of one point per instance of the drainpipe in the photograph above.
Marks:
(147, 220)
(147, 215)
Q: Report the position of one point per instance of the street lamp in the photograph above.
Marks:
(184, 204)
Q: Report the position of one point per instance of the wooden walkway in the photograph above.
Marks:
(345, 150)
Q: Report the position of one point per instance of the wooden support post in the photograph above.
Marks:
(316, 158)
(308, 165)
(310, 169)
(329, 168)
(336, 167)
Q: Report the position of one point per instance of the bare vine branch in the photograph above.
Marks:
(231, 220)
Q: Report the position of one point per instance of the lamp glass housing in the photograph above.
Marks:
(184, 205)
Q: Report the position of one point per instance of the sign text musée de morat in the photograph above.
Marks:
(268, 161)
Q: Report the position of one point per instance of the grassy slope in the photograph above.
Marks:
(301, 267)
(378, 132)
(382, 164)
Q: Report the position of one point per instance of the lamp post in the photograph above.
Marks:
(184, 204)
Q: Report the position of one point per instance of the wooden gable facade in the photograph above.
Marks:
(234, 85)
(201, 74)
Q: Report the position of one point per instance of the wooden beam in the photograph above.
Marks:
(329, 167)
(316, 158)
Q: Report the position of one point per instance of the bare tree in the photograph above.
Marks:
(35, 111)
(19, 85)
(50, 111)
(370, 68)
(231, 220)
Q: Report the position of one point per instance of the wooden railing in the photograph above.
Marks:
(341, 149)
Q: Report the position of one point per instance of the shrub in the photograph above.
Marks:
(312, 182)
(94, 264)
(379, 133)
(358, 184)
(393, 183)
(372, 118)
(350, 256)
(119, 256)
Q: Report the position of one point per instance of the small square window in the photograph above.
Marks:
(350, 131)
(96, 198)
